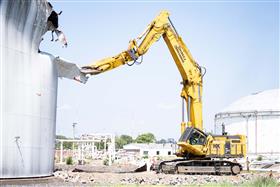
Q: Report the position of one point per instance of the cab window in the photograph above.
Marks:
(197, 139)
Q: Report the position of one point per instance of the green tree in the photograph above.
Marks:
(162, 141)
(69, 160)
(61, 137)
(66, 145)
(259, 158)
(123, 140)
(145, 138)
(170, 140)
(101, 145)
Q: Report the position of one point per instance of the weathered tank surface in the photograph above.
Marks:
(28, 91)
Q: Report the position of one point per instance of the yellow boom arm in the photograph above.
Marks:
(188, 68)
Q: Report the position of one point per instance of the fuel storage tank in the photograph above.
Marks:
(258, 117)
(28, 92)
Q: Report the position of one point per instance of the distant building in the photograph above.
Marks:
(150, 150)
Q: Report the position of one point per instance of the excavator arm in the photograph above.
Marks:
(190, 71)
(151, 34)
(194, 144)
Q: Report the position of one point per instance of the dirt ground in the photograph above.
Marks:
(115, 175)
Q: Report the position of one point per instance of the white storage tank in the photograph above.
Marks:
(258, 117)
(28, 92)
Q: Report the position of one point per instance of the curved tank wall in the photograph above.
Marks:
(28, 92)
(258, 117)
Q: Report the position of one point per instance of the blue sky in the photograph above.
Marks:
(237, 42)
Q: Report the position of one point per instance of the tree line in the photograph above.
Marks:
(142, 138)
(122, 140)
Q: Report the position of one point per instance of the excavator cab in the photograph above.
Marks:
(193, 136)
(192, 142)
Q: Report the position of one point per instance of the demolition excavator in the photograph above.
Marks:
(198, 152)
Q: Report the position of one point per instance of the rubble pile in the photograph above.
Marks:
(151, 178)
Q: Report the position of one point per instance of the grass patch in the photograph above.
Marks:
(69, 160)
(263, 182)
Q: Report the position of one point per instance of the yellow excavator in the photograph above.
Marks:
(199, 152)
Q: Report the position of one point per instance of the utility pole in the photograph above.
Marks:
(74, 125)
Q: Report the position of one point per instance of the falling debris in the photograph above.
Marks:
(61, 37)
(53, 18)
(52, 25)
(69, 70)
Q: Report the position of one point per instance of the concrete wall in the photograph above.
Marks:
(28, 92)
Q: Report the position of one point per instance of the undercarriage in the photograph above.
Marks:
(204, 166)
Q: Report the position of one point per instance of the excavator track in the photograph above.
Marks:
(211, 167)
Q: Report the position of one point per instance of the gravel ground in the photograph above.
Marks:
(151, 178)
(113, 175)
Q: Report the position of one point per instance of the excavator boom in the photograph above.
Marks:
(190, 71)
(193, 143)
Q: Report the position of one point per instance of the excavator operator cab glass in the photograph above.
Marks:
(197, 138)
(193, 136)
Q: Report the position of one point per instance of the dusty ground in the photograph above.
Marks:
(113, 175)
(151, 178)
